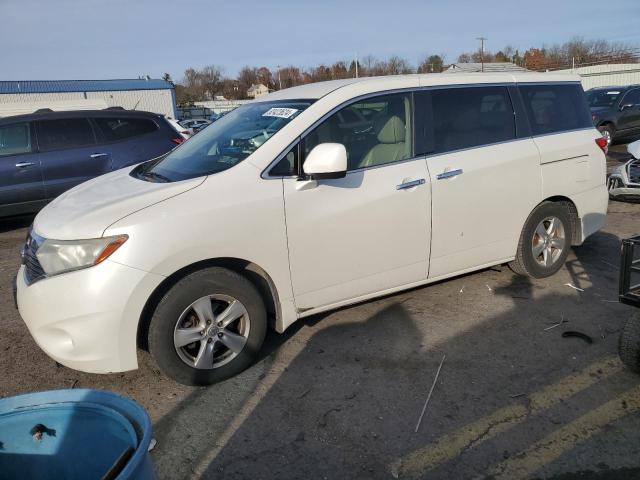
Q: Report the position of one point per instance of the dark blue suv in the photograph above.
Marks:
(44, 154)
(616, 111)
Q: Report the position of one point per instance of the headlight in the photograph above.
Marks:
(59, 256)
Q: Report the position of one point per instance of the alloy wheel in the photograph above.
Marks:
(211, 331)
(548, 241)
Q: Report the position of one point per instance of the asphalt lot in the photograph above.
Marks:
(339, 395)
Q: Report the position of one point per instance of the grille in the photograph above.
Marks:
(33, 269)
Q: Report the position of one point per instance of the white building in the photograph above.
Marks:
(148, 94)
(494, 67)
(256, 91)
(615, 74)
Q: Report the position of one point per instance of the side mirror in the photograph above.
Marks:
(625, 106)
(327, 160)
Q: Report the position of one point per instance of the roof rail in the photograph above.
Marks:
(115, 108)
(44, 110)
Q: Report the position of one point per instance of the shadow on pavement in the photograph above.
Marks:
(512, 400)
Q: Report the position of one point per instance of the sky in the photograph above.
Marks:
(96, 39)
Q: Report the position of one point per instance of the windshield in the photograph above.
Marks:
(224, 143)
(603, 98)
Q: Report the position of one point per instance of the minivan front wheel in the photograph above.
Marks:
(208, 327)
(545, 241)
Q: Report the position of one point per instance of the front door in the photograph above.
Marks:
(629, 120)
(367, 232)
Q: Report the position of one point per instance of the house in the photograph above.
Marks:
(256, 91)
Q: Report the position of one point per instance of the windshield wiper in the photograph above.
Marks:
(155, 176)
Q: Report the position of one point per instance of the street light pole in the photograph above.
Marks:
(482, 39)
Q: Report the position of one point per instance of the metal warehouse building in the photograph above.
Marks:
(609, 75)
(148, 94)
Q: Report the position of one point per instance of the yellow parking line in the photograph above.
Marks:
(554, 445)
(451, 445)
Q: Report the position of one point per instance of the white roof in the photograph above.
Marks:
(372, 84)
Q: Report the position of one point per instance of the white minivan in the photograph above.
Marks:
(309, 199)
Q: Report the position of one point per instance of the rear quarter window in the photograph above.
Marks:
(555, 108)
(121, 128)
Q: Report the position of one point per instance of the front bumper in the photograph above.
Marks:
(625, 194)
(88, 319)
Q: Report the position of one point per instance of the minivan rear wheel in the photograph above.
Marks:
(544, 242)
(208, 327)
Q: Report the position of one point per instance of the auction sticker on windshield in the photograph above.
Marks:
(280, 112)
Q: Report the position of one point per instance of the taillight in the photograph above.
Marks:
(603, 144)
(177, 141)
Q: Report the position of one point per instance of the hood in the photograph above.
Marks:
(87, 210)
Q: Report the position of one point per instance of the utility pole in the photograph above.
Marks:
(482, 39)
(356, 64)
(279, 79)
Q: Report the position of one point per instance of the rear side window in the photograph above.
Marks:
(64, 133)
(457, 118)
(121, 128)
(15, 139)
(555, 108)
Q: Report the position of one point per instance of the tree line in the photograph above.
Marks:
(210, 81)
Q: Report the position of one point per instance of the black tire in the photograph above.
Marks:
(209, 281)
(607, 131)
(524, 263)
(629, 343)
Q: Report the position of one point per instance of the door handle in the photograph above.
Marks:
(449, 174)
(410, 184)
(24, 164)
(99, 155)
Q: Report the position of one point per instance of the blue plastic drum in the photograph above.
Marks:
(74, 434)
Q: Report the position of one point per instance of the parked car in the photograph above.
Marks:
(194, 254)
(629, 294)
(195, 124)
(44, 154)
(624, 181)
(185, 133)
(615, 111)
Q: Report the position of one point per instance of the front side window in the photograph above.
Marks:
(15, 139)
(115, 129)
(225, 143)
(64, 133)
(451, 119)
(382, 135)
(555, 108)
(632, 97)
